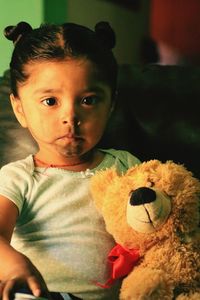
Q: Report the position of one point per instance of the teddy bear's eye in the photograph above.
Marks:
(150, 184)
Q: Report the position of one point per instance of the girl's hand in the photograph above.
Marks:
(23, 274)
(16, 270)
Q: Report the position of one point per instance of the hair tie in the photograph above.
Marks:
(14, 33)
(105, 34)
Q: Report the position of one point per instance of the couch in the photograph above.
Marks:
(157, 116)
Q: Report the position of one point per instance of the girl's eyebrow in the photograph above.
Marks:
(96, 89)
(99, 88)
(44, 90)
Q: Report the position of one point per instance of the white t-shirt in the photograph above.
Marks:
(59, 227)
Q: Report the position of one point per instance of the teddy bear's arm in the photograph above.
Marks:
(146, 283)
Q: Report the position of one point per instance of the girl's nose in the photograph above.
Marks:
(72, 122)
(70, 115)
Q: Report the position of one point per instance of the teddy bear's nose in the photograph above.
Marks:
(142, 195)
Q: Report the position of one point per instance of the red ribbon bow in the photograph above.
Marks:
(121, 261)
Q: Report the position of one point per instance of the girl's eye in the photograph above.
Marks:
(49, 101)
(90, 100)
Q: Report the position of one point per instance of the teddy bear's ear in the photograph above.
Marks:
(99, 184)
(146, 166)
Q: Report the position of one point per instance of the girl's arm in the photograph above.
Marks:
(16, 269)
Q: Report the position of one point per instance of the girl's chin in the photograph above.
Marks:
(71, 152)
(74, 151)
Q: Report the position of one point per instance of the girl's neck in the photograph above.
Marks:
(88, 161)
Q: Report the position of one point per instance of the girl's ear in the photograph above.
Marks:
(113, 104)
(18, 110)
(112, 107)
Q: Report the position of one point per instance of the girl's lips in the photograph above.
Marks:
(70, 137)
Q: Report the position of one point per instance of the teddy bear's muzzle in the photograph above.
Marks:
(147, 209)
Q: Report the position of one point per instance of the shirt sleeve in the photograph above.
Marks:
(13, 184)
(124, 160)
(129, 159)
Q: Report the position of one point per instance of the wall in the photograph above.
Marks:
(12, 12)
(130, 26)
(55, 11)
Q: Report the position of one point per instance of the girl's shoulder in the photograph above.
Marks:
(22, 166)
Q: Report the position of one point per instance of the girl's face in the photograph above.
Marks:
(64, 106)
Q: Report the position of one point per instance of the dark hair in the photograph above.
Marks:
(57, 42)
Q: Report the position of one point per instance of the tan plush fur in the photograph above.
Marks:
(169, 267)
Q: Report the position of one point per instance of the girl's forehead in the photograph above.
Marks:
(71, 68)
(65, 64)
(61, 74)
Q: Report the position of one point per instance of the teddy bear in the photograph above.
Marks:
(153, 212)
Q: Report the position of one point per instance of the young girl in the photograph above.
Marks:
(63, 81)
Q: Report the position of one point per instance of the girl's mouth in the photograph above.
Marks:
(70, 137)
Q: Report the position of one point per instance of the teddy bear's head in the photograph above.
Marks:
(149, 203)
